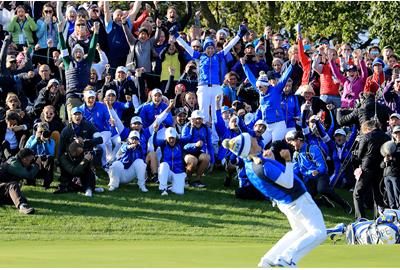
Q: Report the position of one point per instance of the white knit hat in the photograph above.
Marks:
(77, 47)
(262, 80)
(239, 145)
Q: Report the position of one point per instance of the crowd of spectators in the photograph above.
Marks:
(143, 95)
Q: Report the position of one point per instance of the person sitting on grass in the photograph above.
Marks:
(130, 165)
(76, 170)
(22, 166)
(43, 146)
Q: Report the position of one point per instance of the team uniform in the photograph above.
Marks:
(289, 193)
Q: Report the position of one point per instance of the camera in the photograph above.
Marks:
(46, 134)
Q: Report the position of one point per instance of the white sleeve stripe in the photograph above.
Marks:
(286, 179)
(64, 53)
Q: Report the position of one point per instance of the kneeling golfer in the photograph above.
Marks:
(289, 193)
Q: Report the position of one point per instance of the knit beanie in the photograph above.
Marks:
(239, 145)
(75, 48)
(208, 42)
(262, 80)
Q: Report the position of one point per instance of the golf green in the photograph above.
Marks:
(100, 253)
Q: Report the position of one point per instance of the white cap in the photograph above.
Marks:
(156, 91)
(133, 134)
(89, 94)
(248, 118)
(170, 132)
(196, 114)
(122, 69)
(260, 122)
(52, 81)
(396, 129)
(290, 135)
(136, 119)
(395, 115)
(339, 131)
(110, 91)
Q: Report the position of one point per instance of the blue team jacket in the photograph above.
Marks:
(130, 155)
(98, 116)
(149, 112)
(291, 109)
(270, 103)
(192, 135)
(223, 133)
(209, 67)
(304, 166)
(264, 176)
(174, 156)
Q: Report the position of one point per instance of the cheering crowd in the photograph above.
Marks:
(147, 97)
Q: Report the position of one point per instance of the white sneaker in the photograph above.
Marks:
(164, 193)
(265, 263)
(99, 190)
(111, 188)
(283, 263)
(143, 189)
(88, 193)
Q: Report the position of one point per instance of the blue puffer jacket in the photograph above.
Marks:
(149, 112)
(144, 136)
(305, 164)
(191, 135)
(270, 103)
(224, 133)
(209, 72)
(174, 156)
(98, 116)
(291, 109)
(41, 148)
(130, 155)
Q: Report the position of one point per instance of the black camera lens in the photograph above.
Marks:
(46, 134)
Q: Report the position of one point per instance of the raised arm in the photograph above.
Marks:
(249, 74)
(93, 43)
(188, 15)
(107, 16)
(336, 71)
(128, 34)
(242, 31)
(60, 15)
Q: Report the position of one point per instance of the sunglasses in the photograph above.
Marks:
(95, 10)
(48, 11)
(81, 25)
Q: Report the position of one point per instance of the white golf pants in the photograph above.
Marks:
(165, 175)
(308, 231)
(275, 131)
(118, 175)
(106, 146)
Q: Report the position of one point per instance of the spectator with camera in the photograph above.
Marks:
(78, 128)
(44, 147)
(52, 94)
(77, 174)
(19, 167)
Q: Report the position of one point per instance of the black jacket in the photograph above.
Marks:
(364, 112)
(392, 167)
(368, 151)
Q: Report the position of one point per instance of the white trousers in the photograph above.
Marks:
(119, 175)
(165, 175)
(275, 131)
(106, 146)
(206, 98)
(308, 231)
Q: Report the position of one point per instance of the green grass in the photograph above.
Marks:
(126, 228)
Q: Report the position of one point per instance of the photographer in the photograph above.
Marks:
(43, 147)
(76, 173)
(78, 128)
(22, 166)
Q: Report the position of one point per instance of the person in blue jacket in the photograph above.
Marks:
(209, 69)
(270, 99)
(310, 163)
(225, 132)
(290, 106)
(199, 149)
(44, 148)
(97, 114)
(282, 186)
(172, 166)
(130, 165)
(151, 110)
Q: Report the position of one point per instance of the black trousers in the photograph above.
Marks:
(368, 182)
(76, 183)
(320, 186)
(10, 193)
